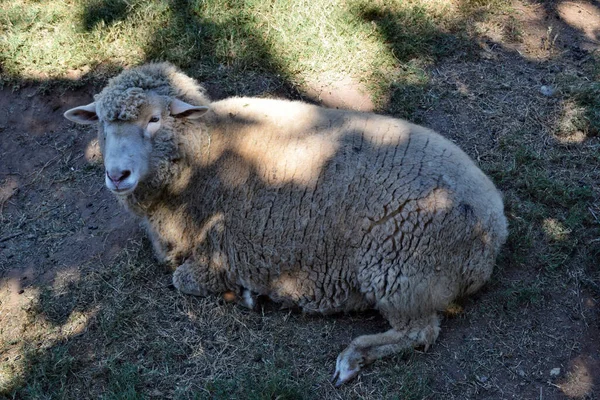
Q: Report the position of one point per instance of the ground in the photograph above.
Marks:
(87, 312)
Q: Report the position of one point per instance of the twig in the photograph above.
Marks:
(38, 173)
(11, 236)
(594, 215)
(591, 284)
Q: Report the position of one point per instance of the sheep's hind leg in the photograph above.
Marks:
(365, 349)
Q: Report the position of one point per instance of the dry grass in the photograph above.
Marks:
(86, 312)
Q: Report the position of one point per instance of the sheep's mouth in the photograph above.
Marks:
(122, 191)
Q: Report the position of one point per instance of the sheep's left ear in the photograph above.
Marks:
(181, 109)
(83, 115)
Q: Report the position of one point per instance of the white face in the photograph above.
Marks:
(127, 146)
(126, 149)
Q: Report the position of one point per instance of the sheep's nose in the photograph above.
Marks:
(118, 177)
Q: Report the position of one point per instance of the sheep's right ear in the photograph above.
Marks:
(83, 115)
(181, 109)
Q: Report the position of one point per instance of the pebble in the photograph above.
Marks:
(555, 372)
(547, 91)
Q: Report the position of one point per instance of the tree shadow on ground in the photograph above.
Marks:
(250, 62)
(57, 365)
(104, 13)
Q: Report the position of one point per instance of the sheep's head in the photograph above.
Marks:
(128, 123)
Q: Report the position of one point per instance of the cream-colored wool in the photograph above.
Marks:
(327, 210)
(122, 98)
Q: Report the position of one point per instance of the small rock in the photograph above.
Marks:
(547, 91)
(555, 372)
(521, 373)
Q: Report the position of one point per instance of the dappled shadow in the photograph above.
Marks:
(257, 71)
(557, 29)
(576, 25)
(50, 212)
(57, 218)
(103, 13)
(411, 33)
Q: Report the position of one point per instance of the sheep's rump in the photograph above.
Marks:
(335, 210)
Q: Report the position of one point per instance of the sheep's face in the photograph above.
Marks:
(127, 139)
(126, 147)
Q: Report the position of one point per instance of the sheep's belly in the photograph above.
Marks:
(312, 290)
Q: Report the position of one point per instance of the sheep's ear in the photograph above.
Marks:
(83, 115)
(181, 109)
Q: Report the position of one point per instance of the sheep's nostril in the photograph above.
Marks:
(119, 176)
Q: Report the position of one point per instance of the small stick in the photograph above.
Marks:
(11, 236)
(595, 217)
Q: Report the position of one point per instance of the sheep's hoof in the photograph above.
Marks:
(348, 365)
(184, 281)
(248, 300)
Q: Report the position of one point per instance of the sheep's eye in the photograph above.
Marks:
(154, 119)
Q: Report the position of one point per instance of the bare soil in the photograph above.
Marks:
(60, 226)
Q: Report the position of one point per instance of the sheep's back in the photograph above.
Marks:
(335, 210)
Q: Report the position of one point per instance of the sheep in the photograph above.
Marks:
(322, 209)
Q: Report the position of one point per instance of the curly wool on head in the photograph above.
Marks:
(122, 98)
(121, 105)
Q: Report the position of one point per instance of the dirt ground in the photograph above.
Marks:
(61, 228)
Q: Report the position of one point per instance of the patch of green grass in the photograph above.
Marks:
(261, 384)
(520, 295)
(530, 175)
(407, 91)
(48, 373)
(122, 382)
(588, 97)
(582, 101)
(543, 188)
(233, 41)
(548, 202)
(415, 383)
(57, 308)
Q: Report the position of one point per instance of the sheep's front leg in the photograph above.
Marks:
(365, 349)
(186, 282)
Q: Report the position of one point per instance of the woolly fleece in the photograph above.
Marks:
(326, 210)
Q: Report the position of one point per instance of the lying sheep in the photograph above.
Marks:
(324, 209)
